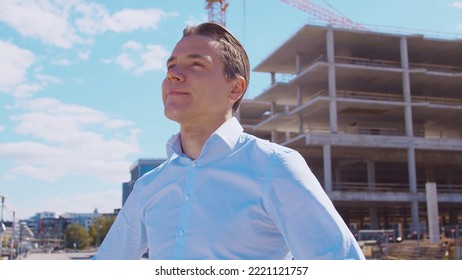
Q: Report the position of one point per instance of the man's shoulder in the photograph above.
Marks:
(265, 146)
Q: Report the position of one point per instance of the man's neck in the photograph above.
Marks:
(194, 136)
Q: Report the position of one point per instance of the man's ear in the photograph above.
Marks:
(238, 89)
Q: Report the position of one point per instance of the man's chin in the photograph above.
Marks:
(175, 115)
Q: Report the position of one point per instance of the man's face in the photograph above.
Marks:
(195, 89)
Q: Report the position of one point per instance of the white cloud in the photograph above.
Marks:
(25, 90)
(48, 79)
(132, 45)
(62, 62)
(69, 140)
(118, 123)
(2, 128)
(125, 61)
(106, 60)
(140, 59)
(47, 20)
(96, 19)
(192, 20)
(17, 61)
(84, 55)
(66, 23)
(456, 4)
(152, 59)
(129, 20)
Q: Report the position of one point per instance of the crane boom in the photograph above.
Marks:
(324, 14)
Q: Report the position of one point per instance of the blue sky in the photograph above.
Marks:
(80, 97)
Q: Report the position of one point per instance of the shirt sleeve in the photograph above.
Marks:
(126, 239)
(304, 214)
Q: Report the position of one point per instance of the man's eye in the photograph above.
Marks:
(198, 64)
(170, 66)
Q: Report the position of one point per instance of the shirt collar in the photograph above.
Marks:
(229, 133)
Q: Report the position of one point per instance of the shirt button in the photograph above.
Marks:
(187, 197)
(181, 233)
(194, 164)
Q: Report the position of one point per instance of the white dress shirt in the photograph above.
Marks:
(242, 198)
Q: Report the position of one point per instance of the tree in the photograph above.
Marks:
(77, 234)
(99, 229)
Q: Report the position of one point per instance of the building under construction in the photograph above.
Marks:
(376, 115)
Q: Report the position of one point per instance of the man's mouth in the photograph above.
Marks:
(177, 93)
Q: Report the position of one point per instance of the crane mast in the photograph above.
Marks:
(217, 10)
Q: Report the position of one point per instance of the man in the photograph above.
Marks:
(222, 193)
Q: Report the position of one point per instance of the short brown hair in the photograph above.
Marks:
(232, 52)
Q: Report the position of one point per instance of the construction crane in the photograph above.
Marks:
(321, 13)
(217, 10)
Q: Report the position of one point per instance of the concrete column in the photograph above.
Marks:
(298, 64)
(273, 78)
(299, 103)
(326, 149)
(406, 87)
(331, 81)
(400, 231)
(404, 53)
(330, 45)
(415, 224)
(370, 175)
(412, 170)
(299, 95)
(273, 108)
(413, 187)
(301, 129)
(432, 212)
(274, 136)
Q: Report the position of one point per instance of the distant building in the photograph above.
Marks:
(46, 229)
(83, 219)
(376, 116)
(138, 169)
(36, 222)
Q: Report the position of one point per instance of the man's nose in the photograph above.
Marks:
(174, 75)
